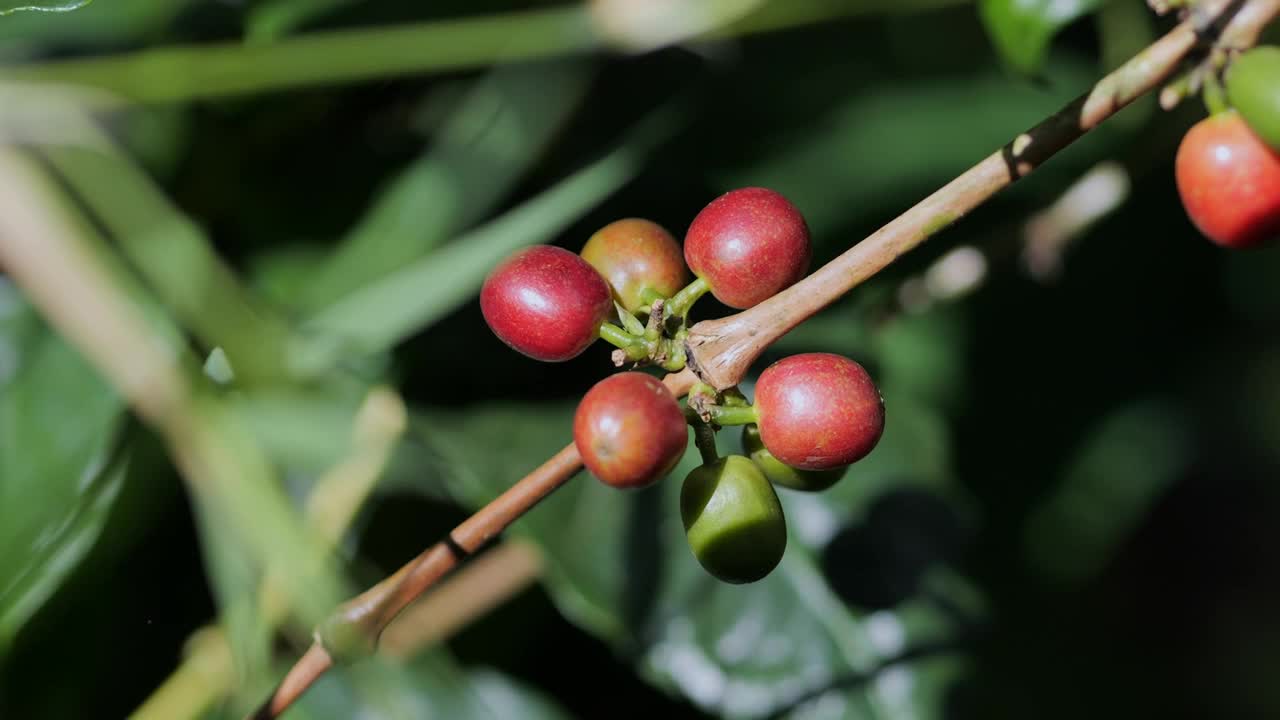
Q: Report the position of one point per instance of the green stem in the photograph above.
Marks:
(675, 355)
(725, 415)
(649, 296)
(704, 437)
(1215, 98)
(636, 348)
(680, 303)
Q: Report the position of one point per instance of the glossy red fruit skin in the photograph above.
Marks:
(635, 255)
(1229, 181)
(545, 302)
(748, 244)
(630, 430)
(818, 411)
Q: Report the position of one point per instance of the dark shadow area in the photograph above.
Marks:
(644, 565)
(880, 562)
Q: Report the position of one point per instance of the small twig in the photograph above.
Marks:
(208, 671)
(473, 591)
(365, 617)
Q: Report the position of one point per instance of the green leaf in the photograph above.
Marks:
(1022, 29)
(13, 6)
(59, 471)
(273, 19)
(173, 254)
(619, 565)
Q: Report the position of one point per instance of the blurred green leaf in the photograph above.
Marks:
(404, 302)
(112, 22)
(13, 6)
(431, 687)
(59, 473)
(485, 146)
(619, 565)
(273, 19)
(1115, 477)
(173, 254)
(1022, 29)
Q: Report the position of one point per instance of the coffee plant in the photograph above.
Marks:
(891, 415)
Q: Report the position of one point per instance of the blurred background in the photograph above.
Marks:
(264, 223)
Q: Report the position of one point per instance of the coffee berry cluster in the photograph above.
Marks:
(813, 416)
(1228, 165)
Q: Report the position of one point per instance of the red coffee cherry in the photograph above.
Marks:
(818, 411)
(639, 259)
(748, 245)
(629, 430)
(1229, 181)
(545, 302)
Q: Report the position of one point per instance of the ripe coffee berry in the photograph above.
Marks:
(748, 245)
(733, 520)
(629, 430)
(1253, 87)
(818, 411)
(1229, 181)
(782, 474)
(640, 260)
(545, 302)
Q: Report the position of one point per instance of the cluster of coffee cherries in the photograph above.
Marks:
(813, 416)
(1228, 165)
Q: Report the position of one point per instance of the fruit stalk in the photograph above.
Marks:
(722, 350)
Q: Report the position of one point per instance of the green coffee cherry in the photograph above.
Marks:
(733, 520)
(782, 474)
(1253, 88)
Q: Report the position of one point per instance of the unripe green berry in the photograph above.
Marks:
(779, 473)
(1253, 88)
(733, 520)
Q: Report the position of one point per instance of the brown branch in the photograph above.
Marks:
(480, 586)
(721, 351)
(358, 623)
